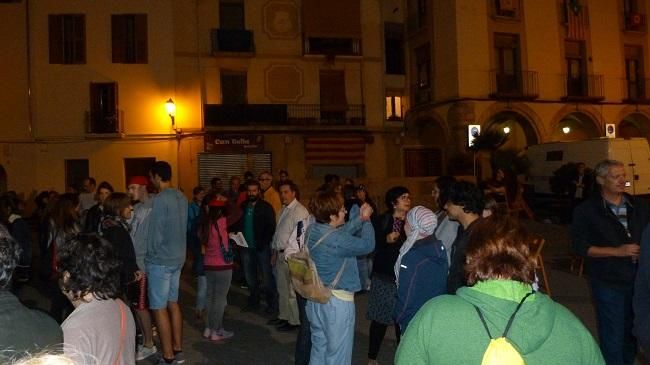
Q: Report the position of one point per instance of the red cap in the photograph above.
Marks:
(216, 202)
(139, 180)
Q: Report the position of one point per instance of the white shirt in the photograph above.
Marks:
(290, 215)
(295, 242)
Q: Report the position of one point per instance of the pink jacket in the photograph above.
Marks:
(213, 258)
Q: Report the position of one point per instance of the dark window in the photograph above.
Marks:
(506, 8)
(129, 38)
(333, 102)
(104, 116)
(423, 66)
(138, 166)
(75, 172)
(423, 162)
(634, 74)
(422, 13)
(554, 155)
(630, 6)
(508, 63)
(576, 75)
(333, 46)
(67, 34)
(394, 48)
(233, 88)
(231, 15)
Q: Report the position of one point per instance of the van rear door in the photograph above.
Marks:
(639, 171)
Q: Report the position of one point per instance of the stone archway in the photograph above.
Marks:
(3, 180)
(634, 125)
(575, 126)
(520, 130)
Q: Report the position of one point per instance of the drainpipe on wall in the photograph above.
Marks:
(30, 110)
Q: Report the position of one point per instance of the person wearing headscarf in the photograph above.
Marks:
(421, 267)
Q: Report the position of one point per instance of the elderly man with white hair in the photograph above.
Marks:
(421, 267)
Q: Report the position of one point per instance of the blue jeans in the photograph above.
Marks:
(615, 318)
(163, 284)
(332, 331)
(255, 262)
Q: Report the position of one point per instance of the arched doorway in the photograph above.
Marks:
(520, 131)
(3, 180)
(424, 147)
(575, 126)
(634, 125)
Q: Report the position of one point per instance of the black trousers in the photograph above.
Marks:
(303, 342)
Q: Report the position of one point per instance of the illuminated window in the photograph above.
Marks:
(394, 108)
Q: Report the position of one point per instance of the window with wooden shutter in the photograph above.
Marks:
(75, 172)
(129, 38)
(422, 162)
(104, 117)
(67, 36)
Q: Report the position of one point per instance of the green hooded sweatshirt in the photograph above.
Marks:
(448, 331)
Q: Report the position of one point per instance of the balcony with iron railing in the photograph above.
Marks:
(636, 91)
(583, 88)
(521, 85)
(217, 115)
(104, 123)
(232, 40)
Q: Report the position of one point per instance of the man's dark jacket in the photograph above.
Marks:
(263, 223)
(594, 224)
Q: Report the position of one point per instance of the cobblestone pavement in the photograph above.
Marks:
(257, 343)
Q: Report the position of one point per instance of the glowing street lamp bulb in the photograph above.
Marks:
(171, 107)
(566, 130)
(506, 130)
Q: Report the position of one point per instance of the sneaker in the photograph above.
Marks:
(144, 352)
(225, 334)
(179, 357)
(221, 335)
(207, 332)
(163, 362)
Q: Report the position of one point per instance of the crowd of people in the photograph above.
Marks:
(111, 264)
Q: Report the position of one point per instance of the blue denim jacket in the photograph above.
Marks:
(353, 239)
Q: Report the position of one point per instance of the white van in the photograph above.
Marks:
(546, 158)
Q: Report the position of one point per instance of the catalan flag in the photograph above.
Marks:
(577, 21)
(335, 150)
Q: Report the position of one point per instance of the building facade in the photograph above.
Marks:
(257, 85)
(551, 70)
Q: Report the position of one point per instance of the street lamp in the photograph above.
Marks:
(171, 110)
(566, 130)
(506, 130)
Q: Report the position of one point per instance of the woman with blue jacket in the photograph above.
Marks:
(421, 267)
(334, 252)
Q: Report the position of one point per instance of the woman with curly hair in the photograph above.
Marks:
(101, 326)
(389, 237)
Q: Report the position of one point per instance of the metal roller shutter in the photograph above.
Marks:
(224, 166)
